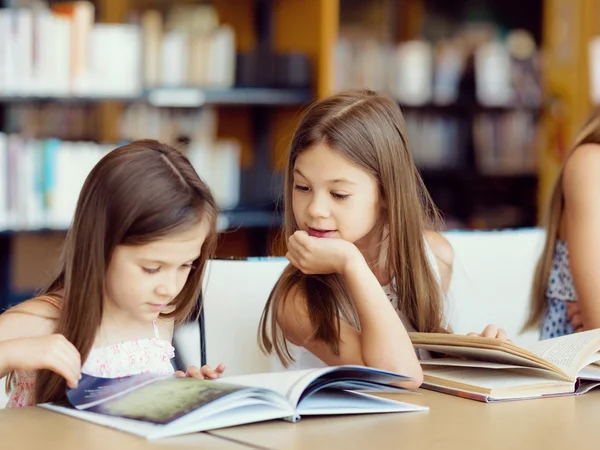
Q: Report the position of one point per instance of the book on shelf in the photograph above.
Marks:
(160, 406)
(491, 370)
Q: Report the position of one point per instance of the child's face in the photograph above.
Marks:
(333, 197)
(142, 280)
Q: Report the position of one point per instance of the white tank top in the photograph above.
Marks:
(303, 359)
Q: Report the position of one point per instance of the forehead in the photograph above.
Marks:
(178, 247)
(322, 163)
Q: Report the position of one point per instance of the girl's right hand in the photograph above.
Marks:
(53, 352)
(321, 256)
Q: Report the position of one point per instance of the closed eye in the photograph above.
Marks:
(151, 269)
(301, 188)
(338, 196)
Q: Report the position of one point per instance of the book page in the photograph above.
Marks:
(480, 356)
(280, 382)
(296, 384)
(569, 353)
(144, 397)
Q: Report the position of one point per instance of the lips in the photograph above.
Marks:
(158, 306)
(320, 233)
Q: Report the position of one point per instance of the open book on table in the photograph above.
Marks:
(155, 407)
(489, 369)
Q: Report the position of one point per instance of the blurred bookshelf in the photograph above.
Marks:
(225, 84)
(467, 75)
(487, 122)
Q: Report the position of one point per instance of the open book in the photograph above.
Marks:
(155, 407)
(489, 369)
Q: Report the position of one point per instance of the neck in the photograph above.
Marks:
(119, 326)
(374, 247)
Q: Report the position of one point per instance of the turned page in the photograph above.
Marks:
(570, 353)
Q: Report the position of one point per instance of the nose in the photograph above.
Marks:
(167, 286)
(317, 207)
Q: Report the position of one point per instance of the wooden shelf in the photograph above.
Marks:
(228, 220)
(187, 97)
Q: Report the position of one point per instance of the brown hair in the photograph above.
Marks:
(135, 195)
(368, 130)
(589, 134)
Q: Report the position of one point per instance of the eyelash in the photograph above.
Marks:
(333, 194)
(156, 270)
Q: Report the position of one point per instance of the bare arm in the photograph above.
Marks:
(382, 341)
(581, 186)
(27, 342)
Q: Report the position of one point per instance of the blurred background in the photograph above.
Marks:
(493, 92)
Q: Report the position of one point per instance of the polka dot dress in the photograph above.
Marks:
(560, 291)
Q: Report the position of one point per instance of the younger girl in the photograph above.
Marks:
(131, 268)
(566, 286)
(363, 270)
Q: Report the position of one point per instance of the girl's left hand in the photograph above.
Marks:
(492, 331)
(204, 373)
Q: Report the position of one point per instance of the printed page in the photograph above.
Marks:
(570, 353)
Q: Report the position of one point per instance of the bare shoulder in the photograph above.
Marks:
(31, 318)
(293, 319)
(441, 247)
(582, 173)
(444, 255)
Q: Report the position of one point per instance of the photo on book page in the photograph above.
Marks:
(170, 397)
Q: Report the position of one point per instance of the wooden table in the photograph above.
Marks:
(40, 429)
(451, 423)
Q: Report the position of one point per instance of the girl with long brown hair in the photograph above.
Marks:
(131, 268)
(364, 266)
(566, 286)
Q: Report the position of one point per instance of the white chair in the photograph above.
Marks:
(3, 396)
(235, 292)
(491, 283)
(492, 278)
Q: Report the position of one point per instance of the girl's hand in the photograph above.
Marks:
(204, 373)
(53, 352)
(321, 256)
(492, 331)
(574, 316)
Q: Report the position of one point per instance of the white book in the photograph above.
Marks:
(226, 161)
(221, 58)
(3, 182)
(493, 75)
(158, 407)
(173, 59)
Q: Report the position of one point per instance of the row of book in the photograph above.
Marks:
(40, 179)
(503, 144)
(60, 51)
(422, 72)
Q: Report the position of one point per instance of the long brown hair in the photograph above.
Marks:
(135, 195)
(368, 130)
(589, 134)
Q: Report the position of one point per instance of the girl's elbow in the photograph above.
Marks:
(417, 379)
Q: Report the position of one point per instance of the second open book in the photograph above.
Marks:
(490, 370)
